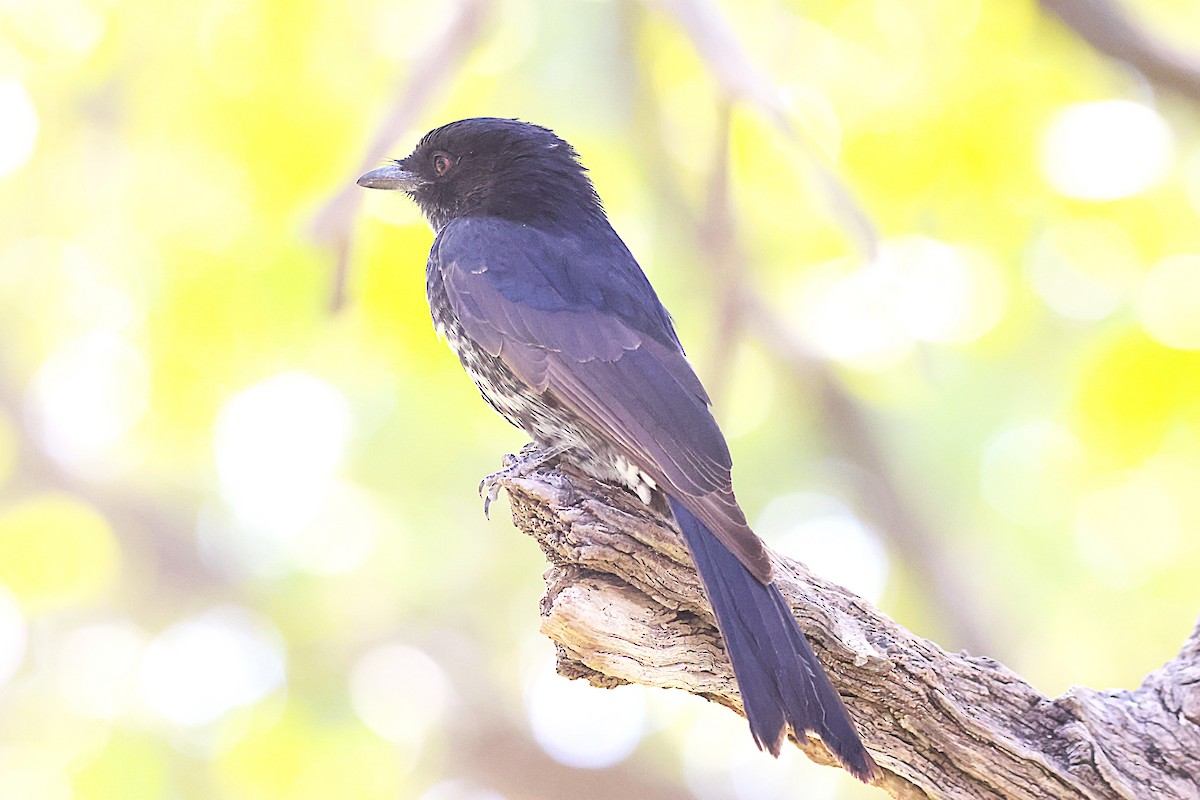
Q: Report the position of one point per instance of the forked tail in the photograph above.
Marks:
(781, 680)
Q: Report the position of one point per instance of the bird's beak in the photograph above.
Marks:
(393, 176)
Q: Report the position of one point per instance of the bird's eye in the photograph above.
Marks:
(442, 163)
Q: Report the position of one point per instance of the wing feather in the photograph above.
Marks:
(634, 387)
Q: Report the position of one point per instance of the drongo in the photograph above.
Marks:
(555, 322)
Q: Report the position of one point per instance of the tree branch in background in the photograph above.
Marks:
(1109, 27)
(624, 605)
(436, 65)
(742, 80)
(742, 309)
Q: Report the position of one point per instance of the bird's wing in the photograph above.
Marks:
(602, 351)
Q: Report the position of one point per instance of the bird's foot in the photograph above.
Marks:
(532, 457)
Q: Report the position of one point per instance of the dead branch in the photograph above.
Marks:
(624, 605)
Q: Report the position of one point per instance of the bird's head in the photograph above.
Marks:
(492, 167)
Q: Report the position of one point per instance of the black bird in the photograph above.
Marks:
(557, 325)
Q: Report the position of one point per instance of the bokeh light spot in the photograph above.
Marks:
(1106, 150)
(400, 693)
(1131, 394)
(201, 668)
(302, 755)
(129, 766)
(582, 726)
(62, 32)
(1128, 530)
(917, 289)
(88, 395)
(340, 536)
(1169, 304)
(849, 319)
(1084, 269)
(749, 395)
(944, 294)
(721, 762)
(279, 445)
(19, 132)
(14, 635)
(824, 534)
(28, 772)
(56, 550)
(98, 668)
(1030, 472)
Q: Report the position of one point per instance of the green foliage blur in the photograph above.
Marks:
(241, 552)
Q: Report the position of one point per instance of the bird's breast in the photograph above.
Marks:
(539, 414)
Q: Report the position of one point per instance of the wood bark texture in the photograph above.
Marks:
(624, 605)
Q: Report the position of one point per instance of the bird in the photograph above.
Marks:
(556, 323)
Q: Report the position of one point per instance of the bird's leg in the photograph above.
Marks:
(533, 456)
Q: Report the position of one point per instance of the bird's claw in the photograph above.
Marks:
(514, 467)
(490, 487)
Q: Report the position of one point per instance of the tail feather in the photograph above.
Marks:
(780, 678)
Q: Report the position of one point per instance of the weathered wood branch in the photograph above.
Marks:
(624, 605)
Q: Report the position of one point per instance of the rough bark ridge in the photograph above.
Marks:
(624, 605)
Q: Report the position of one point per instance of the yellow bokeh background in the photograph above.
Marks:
(241, 552)
(56, 550)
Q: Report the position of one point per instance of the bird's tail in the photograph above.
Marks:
(781, 681)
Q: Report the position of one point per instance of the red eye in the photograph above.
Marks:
(442, 163)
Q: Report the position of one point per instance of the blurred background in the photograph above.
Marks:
(939, 263)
